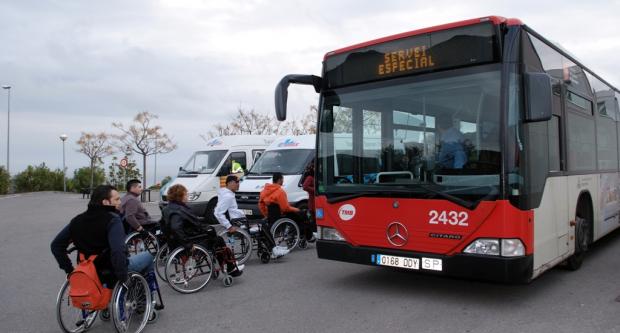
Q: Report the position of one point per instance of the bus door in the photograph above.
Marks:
(557, 169)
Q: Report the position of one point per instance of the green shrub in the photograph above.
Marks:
(5, 180)
(38, 178)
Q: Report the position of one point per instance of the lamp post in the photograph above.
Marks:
(155, 168)
(64, 137)
(8, 128)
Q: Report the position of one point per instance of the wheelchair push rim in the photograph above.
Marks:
(285, 233)
(136, 243)
(131, 305)
(189, 272)
(242, 244)
(72, 319)
(160, 262)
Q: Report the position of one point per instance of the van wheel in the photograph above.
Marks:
(583, 237)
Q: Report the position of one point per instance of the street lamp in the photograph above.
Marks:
(8, 127)
(64, 137)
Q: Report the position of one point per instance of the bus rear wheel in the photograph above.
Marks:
(583, 236)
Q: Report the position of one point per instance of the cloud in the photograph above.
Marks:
(77, 66)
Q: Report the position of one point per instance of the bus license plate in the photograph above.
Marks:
(394, 261)
(247, 211)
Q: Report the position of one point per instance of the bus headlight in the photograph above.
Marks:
(486, 246)
(326, 233)
(193, 196)
(512, 248)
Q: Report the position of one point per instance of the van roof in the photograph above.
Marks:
(226, 142)
(294, 142)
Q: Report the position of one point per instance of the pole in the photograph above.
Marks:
(64, 169)
(63, 138)
(155, 167)
(8, 129)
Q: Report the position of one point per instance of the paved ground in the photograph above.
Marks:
(305, 294)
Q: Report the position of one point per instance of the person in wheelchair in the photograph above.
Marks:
(227, 204)
(181, 225)
(99, 231)
(134, 213)
(274, 195)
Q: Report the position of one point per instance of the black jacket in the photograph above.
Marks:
(179, 224)
(98, 231)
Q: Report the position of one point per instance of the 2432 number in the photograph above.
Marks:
(448, 217)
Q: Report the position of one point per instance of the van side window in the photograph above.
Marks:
(238, 162)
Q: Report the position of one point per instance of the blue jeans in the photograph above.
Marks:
(141, 263)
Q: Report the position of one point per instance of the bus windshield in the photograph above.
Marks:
(285, 161)
(428, 136)
(203, 162)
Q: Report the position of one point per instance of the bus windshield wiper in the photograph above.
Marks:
(350, 196)
(461, 202)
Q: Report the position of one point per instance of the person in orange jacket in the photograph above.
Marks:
(274, 194)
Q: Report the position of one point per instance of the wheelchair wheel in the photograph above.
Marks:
(131, 304)
(104, 315)
(285, 233)
(303, 244)
(228, 281)
(242, 245)
(189, 271)
(136, 243)
(265, 257)
(160, 261)
(70, 318)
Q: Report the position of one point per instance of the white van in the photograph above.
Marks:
(206, 170)
(288, 155)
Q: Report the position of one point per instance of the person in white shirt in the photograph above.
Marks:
(226, 202)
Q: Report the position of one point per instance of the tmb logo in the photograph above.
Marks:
(288, 143)
(346, 212)
(214, 142)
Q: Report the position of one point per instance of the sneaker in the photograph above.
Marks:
(237, 271)
(279, 251)
(311, 240)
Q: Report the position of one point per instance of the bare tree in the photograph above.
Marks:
(254, 123)
(144, 138)
(96, 147)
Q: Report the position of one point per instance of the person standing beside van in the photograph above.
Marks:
(308, 186)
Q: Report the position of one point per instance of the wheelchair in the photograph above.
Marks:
(136, 242)
(284, 232)
(131, 304)
(190, 270)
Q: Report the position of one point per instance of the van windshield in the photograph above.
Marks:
(203, 162)
(285, 161)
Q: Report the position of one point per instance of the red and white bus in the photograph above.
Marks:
(498, 154)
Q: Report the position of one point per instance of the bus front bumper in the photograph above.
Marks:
(501, 269)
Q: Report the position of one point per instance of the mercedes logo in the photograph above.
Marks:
(397, 234)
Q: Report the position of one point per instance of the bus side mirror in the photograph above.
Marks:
(281, 95)
(538, 97)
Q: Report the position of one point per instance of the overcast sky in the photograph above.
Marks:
(79, 65)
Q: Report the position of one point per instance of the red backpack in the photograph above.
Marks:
(85, 288)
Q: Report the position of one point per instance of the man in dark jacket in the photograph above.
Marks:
(131, 207)
(99, 231)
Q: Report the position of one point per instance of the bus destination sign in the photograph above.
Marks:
(433, 51)
(405, 60)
